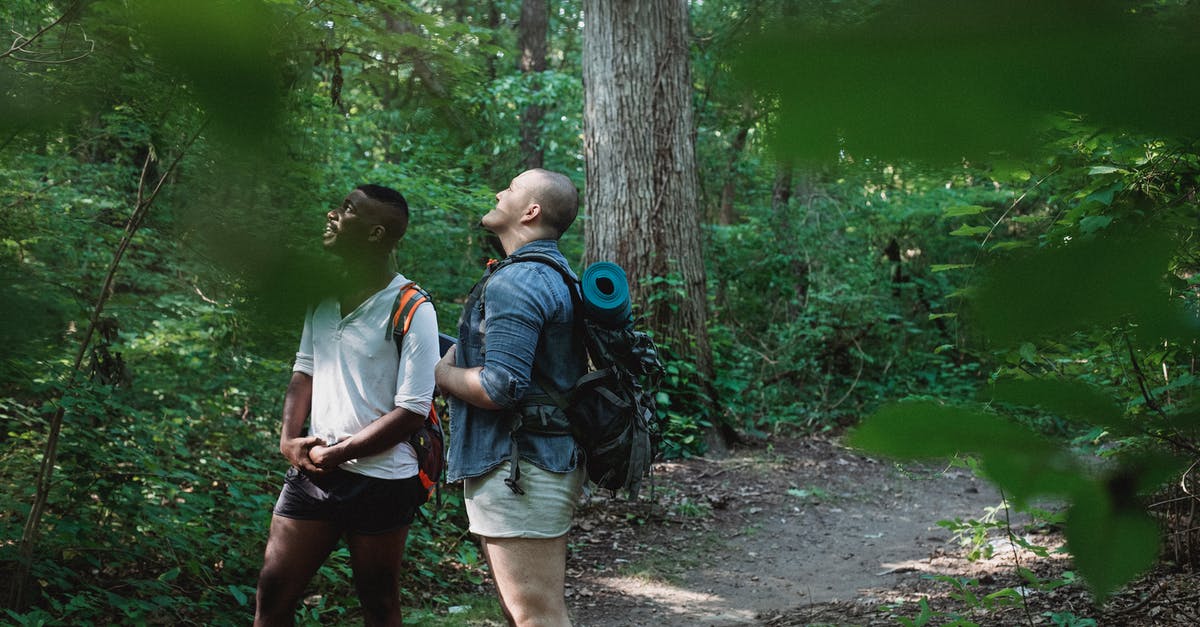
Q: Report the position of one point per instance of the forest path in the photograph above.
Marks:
(766, 532)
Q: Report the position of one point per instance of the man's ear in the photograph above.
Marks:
(532, 212)
(378, 232)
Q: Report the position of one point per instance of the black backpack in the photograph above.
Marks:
(429, 440)
(611, 409)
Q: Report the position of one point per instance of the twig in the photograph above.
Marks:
(1012, 206)
(1012, 541)
(862, 363)
(18, 45)
(19, 589)
(1141, 380)
(1155, 591)
(1177, 439)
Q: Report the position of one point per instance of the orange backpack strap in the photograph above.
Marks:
(411, 296)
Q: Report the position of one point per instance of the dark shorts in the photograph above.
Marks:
(356, 503)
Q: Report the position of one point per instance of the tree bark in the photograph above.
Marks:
(728, 214)
(642, 194)
(532, 39)
(781, 197)
(493, 24)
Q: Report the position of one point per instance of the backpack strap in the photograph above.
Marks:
(478, 296)
(573, 287)
(411, 297)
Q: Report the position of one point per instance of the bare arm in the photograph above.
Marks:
(297, 404)
(388, 431)
(463, 383)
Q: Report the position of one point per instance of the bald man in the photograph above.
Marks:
(510, 444)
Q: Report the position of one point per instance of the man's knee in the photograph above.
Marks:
(381, 610)
(380, 599)
(277, 587)
(273, 604)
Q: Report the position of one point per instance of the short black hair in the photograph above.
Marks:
(396, 222)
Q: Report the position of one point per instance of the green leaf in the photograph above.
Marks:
(1071, 399)
(1103, 196)
(1092, 224)
(238, 595)
(1009, 245)
(1079, 285)
(964, 210)
(1110, 547)
(926, 429)
(942, 267)
(1103, 169)
(1018, 460)
(1028, 472)
(966, 230)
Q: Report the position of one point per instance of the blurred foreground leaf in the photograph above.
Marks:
(947, 80)
(223, 50)
(1110, 546)
(1099, 282)
(1070, 399)
(1018, 460)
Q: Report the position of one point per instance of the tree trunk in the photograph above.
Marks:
(728, 214)
(531, 36)
(781, 197)
(493, 23)
(781, 191)
(642, 194)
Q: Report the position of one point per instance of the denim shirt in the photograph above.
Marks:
(525, 318)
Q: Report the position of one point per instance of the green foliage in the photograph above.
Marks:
(973, 534)
(841, 307)
(1071, 326)
(1048, 297)
(167, 462)
(683, 400)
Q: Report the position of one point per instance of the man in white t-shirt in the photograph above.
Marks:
(354, 475)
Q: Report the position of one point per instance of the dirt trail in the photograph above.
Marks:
(807, 532)
(763, 532)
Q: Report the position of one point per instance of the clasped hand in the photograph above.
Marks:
(311, 454)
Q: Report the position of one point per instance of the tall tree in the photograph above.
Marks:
(532, 38)
(642, 189)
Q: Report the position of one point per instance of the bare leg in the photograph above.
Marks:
(530, 577)
(295, 550)
(376, 561)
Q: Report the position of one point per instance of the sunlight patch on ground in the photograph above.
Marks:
(679, 601)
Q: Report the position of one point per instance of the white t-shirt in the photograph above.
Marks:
(358, 375)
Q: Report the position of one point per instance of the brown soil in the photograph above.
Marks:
(808, 532)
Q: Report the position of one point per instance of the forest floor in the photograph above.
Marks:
(808, 532)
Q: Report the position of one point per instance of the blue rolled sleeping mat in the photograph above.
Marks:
(610, 317)
(606, 295)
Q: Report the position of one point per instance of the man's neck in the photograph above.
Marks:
(512, 242)
(364, 275)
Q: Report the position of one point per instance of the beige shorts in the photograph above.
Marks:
(544, 511)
